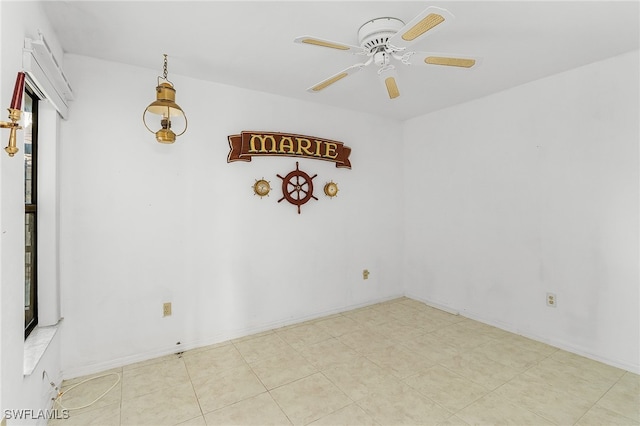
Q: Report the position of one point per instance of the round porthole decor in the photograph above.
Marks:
(331, 189)
(261, 187)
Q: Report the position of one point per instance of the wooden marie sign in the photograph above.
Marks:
(248, 144)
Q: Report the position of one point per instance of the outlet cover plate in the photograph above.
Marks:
(166, 309)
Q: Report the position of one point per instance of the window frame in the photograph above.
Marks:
(31, 321)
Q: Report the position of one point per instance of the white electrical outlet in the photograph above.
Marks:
(552, 300)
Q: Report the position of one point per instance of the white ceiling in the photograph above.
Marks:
(250, 44)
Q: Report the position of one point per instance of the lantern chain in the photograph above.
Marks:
(165, 72)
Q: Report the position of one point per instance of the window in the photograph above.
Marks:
(30, 211)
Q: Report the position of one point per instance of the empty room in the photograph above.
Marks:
(319, 212)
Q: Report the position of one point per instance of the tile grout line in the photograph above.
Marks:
(602, 396)
(192, 387)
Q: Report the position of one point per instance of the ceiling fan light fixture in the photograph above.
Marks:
(375, 33)
(392, 87)
(452, 62)
(329, 82)
(429, 22)
(387, 40)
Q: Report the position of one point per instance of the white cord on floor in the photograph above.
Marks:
(59, 397)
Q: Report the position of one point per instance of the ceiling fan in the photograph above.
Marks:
(386, 40)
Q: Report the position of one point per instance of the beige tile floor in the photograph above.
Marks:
(394, 363)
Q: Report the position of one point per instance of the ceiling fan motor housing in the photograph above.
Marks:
(375, 33)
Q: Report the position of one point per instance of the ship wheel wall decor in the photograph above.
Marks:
(297, 187)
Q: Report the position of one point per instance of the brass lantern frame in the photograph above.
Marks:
(165, 105)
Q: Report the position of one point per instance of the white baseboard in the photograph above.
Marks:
(89, 369)
(633, 368)
(433, 304)
(235, 334)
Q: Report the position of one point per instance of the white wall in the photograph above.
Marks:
(145, 223)
(528, 191)
(19, 20)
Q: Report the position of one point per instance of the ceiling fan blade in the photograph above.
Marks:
(336, 77)
(315, 41)
(445, 59)
(427, 22)
(389, 78)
